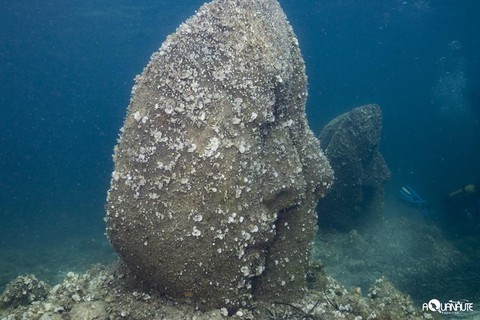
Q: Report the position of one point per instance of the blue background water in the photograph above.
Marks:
(67, 68)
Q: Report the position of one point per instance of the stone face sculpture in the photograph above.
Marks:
(351, 143)
(216, 171)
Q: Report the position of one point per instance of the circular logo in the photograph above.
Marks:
(434, 305)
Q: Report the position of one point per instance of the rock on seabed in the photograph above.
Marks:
(216, 171)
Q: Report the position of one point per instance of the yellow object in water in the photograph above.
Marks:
(469, 188)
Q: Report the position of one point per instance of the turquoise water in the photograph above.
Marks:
(67, 68)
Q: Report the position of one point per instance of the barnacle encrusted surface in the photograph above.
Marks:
(351, 143)
(216, 171)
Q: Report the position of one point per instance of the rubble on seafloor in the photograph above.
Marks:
(112, 293)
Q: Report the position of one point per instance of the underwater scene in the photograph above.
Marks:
(243, 159)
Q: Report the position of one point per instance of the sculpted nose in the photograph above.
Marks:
(285, 186)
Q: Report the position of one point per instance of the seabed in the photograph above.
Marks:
(361, 274)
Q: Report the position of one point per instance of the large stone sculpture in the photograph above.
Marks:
(351, 143)
(216, 171)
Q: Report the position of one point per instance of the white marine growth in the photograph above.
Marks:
(216, 171)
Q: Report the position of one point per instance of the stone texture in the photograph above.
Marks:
(216, 171)
(351, 144)
(106, 291)
(22, 291)
(90, 310)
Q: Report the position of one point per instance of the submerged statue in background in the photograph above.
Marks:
(351, 143)
(217, 173)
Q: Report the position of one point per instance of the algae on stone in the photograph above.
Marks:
(216, 171)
